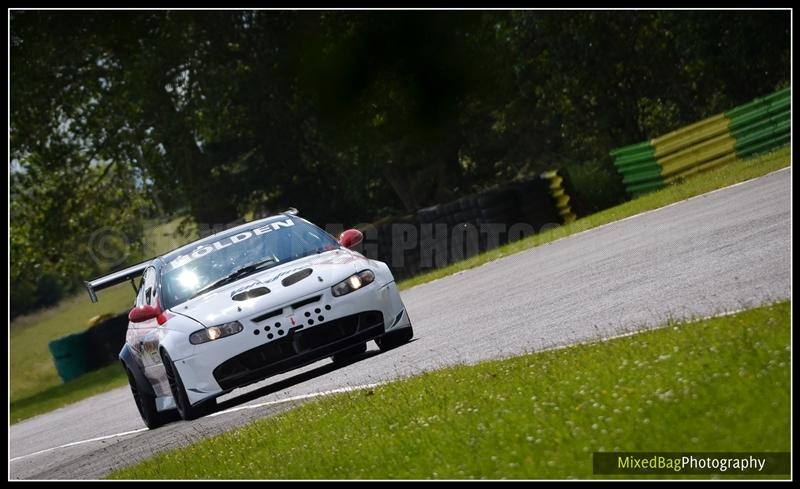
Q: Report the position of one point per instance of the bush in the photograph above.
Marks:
(596, 185)
(49, 290)
(28, 295)
(22, 297)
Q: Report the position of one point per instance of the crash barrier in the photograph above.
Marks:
(98, 346)
(558, 193)
(752, 128)
(439, 235)
(69, 355)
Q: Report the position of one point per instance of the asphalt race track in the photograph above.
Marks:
(718, 252)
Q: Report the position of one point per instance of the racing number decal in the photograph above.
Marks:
(150, 345)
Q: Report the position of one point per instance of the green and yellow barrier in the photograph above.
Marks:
(556, 188)
(752, 128)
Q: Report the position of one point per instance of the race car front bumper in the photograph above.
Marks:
(312, 328)
(299, 348)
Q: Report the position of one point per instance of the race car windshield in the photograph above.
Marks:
(212, 261)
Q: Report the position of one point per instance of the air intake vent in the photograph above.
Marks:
(297, 305)
(271, 314)
(250, 293)
(296, 277)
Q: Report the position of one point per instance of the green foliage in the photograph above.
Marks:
(657, 116)
(721, 384)
(49, 290)
(68, 223)
(591, 81)
(596, 185)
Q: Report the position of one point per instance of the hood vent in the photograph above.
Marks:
(296, 277)
(250, 293)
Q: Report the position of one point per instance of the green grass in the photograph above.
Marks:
(54, 397)
(721, 384)
(33, 377)
(735, 172)
(32, 370)
(164, 237)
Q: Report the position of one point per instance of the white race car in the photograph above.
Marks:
(254, 301)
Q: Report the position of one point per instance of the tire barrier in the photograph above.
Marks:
(96, 347)
(442, 234)
(99, 319)
(105, 340)
(752, 128)
(557, 190)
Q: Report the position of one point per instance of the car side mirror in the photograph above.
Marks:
(351, 238)
(143, 313)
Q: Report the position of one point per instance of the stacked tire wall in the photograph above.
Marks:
(557, 189)
(446, 233)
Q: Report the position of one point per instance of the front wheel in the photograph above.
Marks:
(146, 404)
(185, 408)
(395, 338)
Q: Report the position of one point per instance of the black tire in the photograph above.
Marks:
(146, 404)
(467, 216)
(395, 338)
(491, 198)
(186, 410)
(468, 202)
(344, 356)
(451, 207)
(429, 214)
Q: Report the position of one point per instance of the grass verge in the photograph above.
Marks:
(735, 172)
(54, 397)
(720, 384)
(32, 369)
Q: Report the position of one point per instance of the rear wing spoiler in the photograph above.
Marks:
(115, 278)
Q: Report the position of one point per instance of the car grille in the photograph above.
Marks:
(278, 312)
(298, 348)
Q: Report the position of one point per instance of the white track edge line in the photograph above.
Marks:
(99, 438)
(231, 410)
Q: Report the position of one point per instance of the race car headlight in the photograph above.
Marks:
(353, 282)
(215, 332)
